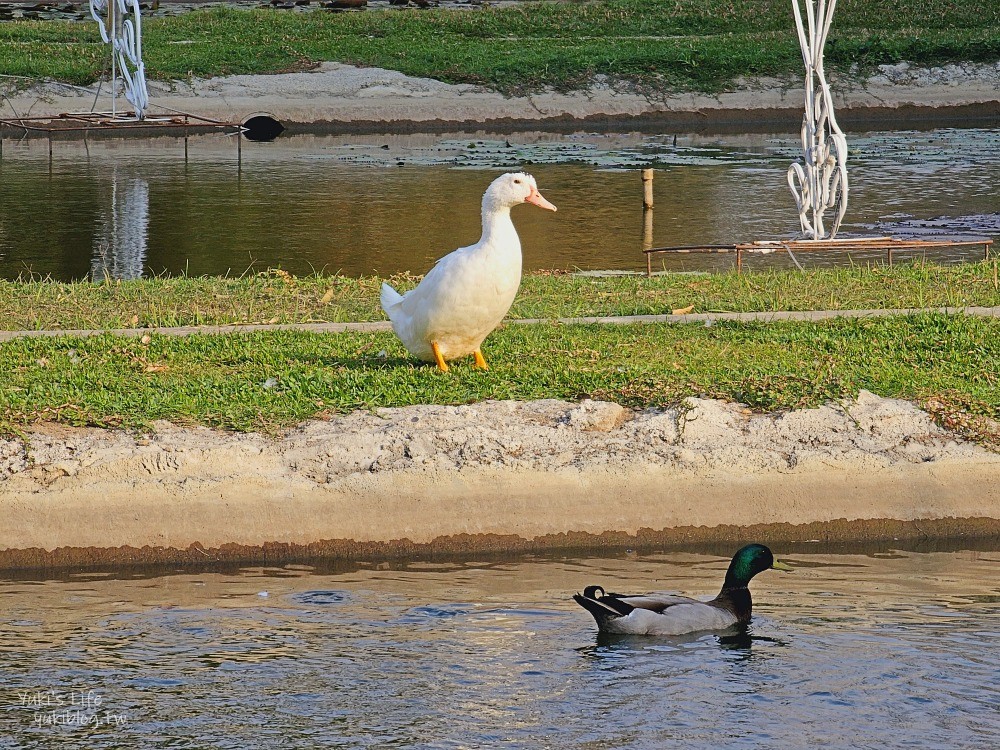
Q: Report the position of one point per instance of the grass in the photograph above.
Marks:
(263, 381)
(693, 44)
(277, 297)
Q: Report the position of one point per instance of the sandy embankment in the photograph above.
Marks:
(336, 95)
(496, 475)
(499, 475)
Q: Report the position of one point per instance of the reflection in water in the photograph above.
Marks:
(737, 638)
(364, 204)
(852, 650)
(122, 230)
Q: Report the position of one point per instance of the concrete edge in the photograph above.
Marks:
(381, 325)
(213, 504)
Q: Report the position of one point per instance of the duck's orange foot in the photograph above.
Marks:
(442, 365)
(480, 360)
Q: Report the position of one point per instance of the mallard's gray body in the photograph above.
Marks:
(669, 614)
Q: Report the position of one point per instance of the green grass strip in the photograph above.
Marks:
(696, 44)
(277, 297)
(264, 381)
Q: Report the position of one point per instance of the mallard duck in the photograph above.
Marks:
(468, 292)
(667, 614)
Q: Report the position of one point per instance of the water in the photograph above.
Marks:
(366, 204)
(881, 648)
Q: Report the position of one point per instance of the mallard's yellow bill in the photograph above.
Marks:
(778, 565)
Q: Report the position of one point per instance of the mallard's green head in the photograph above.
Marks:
(748, 562)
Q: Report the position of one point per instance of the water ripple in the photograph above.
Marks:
(898, 650)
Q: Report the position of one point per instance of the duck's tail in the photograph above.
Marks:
(390, 299)
(604, 607)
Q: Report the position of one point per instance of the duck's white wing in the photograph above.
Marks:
(678, 619)
(392, 301)
(457, 304)
(440, 283)
(413, 313)
(652, 614)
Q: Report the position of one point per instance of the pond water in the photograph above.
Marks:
(365, 204)
(876, 647)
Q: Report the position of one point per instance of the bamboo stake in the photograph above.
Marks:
(647, 188)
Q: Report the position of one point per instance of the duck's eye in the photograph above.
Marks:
(517, 182)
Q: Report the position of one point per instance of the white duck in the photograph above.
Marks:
(469, 291)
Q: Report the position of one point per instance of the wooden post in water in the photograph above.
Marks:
(647, 230)
(647, 216)
(647, 188)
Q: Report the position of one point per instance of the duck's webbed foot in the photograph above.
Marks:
(442, 365)
(480, 360)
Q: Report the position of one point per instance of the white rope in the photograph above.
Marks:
(819, 182)
(126, 49)
(792, 256)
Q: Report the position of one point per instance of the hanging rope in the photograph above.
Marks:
(125, 39)
(819, 182)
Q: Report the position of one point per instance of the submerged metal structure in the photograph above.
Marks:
(819, 181)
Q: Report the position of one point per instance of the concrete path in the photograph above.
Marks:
(383, 325)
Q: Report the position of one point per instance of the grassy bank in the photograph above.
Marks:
(277, 297)
(262, 381)
(699, 44)
(267, 380)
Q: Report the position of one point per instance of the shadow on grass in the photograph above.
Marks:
(384, 364)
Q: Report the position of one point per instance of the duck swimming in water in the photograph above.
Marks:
(469, 291)
(668, 614)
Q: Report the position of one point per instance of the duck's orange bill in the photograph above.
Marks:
(536, 198)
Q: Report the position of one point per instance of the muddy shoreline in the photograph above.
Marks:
(342, 98)
(491, 477)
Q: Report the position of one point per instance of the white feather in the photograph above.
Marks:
(687, 616)
(469, 291)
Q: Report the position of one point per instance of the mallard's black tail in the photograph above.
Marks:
(603, 606)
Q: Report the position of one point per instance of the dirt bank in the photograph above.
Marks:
(338, 96)
(489, 476)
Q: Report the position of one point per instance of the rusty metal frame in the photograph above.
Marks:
(73, 122)
(889, 244)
